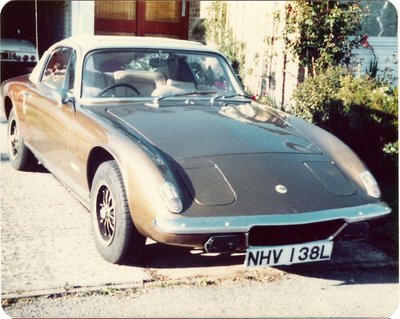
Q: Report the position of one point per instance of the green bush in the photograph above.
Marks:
(316, 97)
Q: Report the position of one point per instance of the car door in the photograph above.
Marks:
(49, 118)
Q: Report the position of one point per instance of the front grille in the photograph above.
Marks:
(7, 55)
(293, 234)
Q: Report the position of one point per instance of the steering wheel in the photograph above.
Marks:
(110, 87)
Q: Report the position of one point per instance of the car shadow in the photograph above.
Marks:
(38, 168)
(349, 264)
(163, 256)
(34, 167)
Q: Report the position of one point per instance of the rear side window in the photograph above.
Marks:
(55, 72)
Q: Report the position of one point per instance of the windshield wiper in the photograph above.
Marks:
(223, 97)
(155, 102)
(158, 98)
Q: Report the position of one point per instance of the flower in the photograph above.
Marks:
(364, 42)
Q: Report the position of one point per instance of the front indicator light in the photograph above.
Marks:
(370, 184)
(171, 197)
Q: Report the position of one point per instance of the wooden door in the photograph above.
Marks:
(163, 18)
(115, 17)
(142, 18)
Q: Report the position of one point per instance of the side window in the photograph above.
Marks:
(55, 72)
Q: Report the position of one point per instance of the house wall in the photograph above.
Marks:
(269, 68)
(82, 18)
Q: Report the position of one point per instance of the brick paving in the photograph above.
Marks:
(46, 240)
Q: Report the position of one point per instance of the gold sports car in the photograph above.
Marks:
(157, 138)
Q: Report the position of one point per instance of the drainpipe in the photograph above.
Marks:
(283, 81)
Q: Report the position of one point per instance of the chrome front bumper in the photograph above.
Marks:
(241, 224)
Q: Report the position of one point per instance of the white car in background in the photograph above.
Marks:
(18, 57)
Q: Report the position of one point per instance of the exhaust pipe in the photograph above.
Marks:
(223, 244)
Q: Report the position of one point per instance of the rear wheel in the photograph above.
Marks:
(21, 158)
(116, 237)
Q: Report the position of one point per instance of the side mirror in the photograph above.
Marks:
(67, 97)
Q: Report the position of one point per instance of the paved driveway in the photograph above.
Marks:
(47, 245)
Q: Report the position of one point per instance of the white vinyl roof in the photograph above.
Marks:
(88, 43)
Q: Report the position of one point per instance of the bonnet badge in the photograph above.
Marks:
(281, 189)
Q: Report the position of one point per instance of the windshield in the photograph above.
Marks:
(136, 73)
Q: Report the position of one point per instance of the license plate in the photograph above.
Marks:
(288, 254)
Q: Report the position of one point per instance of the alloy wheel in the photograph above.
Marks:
(13, 139)
(105, 214)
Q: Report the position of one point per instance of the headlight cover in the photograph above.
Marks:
(370, 184)
(171, 197)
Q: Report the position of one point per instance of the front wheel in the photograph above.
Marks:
(116, 237)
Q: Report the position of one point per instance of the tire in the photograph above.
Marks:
(21, 158)
(116, 237)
